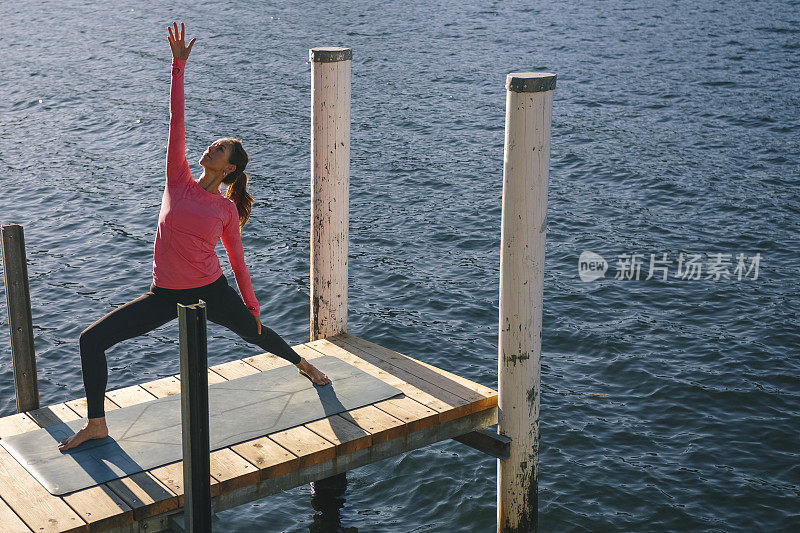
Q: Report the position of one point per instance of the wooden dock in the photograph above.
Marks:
(436, 405)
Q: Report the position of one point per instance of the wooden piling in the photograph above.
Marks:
(526, 165)
(20, 323)
(330, 181)
(194, 418)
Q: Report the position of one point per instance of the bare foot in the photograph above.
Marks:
(95, 428)
(312, 372)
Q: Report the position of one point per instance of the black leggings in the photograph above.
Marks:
(155, 308)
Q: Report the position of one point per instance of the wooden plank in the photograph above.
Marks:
(79, 406)
(52, 415)
(476, 396)
(416, 415)
(487, 441)
(213, 377)
(268, 361)
(308, 350)
(455, 383)
(309, 447)
(239, 470)
(128, 396)
(347, 437)
(380, 424)
(144, 494)
(393, 355)
(445, 403)
(171, 477)
(165, 386)
(224, 463)
(10, 522)
(231, 471)
(40, 510)
(341, 434)
(268, 456)
(16, 424)
(234, 369)
(418, 409)
(100, 507)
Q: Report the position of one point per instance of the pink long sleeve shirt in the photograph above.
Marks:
(192, 219)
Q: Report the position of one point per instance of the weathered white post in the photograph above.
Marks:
(526, 163)
(330, 182)
(330, 199)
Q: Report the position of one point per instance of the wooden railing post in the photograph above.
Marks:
(330, 181)
(194, 416)
(526, 164)
(20, 323)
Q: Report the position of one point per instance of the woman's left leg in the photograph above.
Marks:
(225, 307)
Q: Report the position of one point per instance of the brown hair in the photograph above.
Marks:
(237, 180)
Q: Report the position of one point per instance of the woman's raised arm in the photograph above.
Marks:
(178, 172)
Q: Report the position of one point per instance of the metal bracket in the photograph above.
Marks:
(488, 442)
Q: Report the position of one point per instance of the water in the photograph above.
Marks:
(666, 405)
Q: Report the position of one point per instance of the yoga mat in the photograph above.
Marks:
(146, 435)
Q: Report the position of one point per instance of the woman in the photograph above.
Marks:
(194, 216)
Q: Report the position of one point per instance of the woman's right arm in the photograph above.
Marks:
(177, 166)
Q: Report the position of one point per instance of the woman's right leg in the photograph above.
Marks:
(137, 317)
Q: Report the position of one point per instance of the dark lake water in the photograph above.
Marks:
(665, 404)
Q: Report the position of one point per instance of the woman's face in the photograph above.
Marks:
(216, 157)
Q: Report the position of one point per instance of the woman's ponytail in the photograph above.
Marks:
(237, 181)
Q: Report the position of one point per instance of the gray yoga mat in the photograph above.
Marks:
(148, 434)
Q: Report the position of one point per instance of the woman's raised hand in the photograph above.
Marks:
(179, 48)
